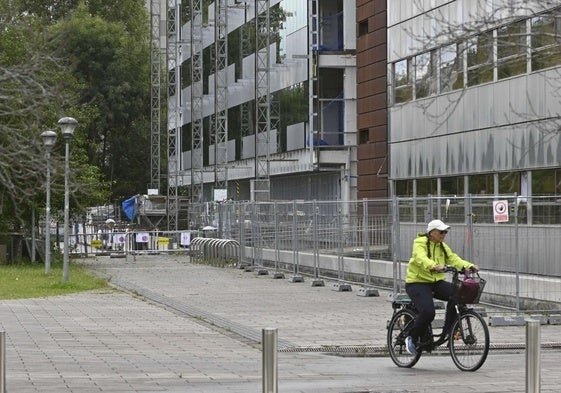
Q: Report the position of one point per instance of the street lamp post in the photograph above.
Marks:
(49, 139)
(67, 126)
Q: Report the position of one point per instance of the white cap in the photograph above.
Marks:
(437, 224)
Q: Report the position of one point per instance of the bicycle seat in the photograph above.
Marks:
(400, 299)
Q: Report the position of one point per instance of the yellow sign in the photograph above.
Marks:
(163, 240)
(97, 243)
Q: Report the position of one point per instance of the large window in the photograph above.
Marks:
(425, 74)
(451, 68)
(480, 59)
(509, 183)
(546, 40)
(403, 89)
(546, 182)
(481, 184)
(511, 49)
(426, 187)
(404, 188)
(514, 49)
(452, 185)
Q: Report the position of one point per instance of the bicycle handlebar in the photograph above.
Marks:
(452, 269)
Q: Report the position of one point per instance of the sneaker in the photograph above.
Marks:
(410, 346)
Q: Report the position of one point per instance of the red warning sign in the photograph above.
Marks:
(500, 211)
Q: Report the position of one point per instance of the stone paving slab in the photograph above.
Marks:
(304, 315)
(113, 341)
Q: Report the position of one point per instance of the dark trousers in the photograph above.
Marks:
(422, 295)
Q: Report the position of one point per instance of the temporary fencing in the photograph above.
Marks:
(132, 241)
(513, 239)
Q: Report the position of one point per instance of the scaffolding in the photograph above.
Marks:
(221, 94)
(244, 51)
(257, 119)
(197, 135)
(155, 93)
(261, 183)
(174, 108)
(313, 90)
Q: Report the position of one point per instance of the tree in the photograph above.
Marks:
(108, 48)
(32, 89)
(46, 72)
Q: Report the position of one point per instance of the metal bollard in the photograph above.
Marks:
(533, 350)
(269, 348)
(2, 362)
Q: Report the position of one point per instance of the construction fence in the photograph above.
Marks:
(515, 240)
(512, 238)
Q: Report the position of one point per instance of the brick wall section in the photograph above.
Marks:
(372, 99)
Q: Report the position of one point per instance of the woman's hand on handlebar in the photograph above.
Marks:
(439, 268)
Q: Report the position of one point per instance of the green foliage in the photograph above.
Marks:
(85, 59)
(108, 48)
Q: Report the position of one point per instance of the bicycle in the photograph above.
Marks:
(468, 342)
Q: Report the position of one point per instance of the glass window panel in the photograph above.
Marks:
(546, 187)
(480, 59)
(401, 73)
(481, 184)
(511, 50)
(545, 30)
(452, 185)
(425, 75)
(451, 75)
(546, 40)
(403, 89)
(546, 182)
(426, 187)
(509, 183)
(511, 40)
(404, 187)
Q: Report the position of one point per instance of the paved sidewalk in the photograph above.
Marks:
(181, 327)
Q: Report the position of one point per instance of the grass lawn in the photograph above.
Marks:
(28, 280)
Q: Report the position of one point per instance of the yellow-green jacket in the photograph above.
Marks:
(419, 268)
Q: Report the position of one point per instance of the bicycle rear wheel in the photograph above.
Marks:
(398, 330)
(469, 341)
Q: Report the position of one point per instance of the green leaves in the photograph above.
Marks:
(85, 59)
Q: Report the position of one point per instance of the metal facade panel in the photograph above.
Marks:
(488, 150)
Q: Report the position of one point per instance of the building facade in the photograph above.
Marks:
(372, 115)
(263, 102)
(474, 100)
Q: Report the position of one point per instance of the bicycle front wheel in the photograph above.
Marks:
(469, 341)
(398, 330)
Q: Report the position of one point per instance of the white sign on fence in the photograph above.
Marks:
(500, 211)
(142, 237)
(185, 238)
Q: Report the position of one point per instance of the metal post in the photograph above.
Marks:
(517, 253)
(49, 139)
(66, 209)
(67, 125)
(469, 223)
(533, 349)
(2, 362)
(270, 367)
(365, 241)
(48, 218)
(33, 240)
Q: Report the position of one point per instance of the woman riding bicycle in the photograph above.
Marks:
(425, 280)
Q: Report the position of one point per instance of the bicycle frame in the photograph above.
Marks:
(429, 343)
